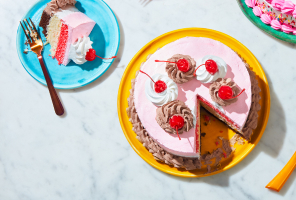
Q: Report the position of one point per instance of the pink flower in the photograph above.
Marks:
(275, 24)
(286, 28)
(266, 19)
(269, 1)
(277, 4)
(257, 11)
(288, 7)
(251, 3)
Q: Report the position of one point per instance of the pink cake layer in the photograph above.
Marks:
(196, 47)
(81, 25)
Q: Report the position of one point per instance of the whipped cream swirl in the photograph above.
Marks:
(79, 49)
(159, 99)
(204, 76)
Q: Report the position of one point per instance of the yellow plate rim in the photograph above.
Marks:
(122, 112)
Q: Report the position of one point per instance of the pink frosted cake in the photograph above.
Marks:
(67, 30)
(194, 71)
(279, 14)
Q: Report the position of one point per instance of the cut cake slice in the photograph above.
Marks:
(64, 29)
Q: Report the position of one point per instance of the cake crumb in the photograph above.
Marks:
(26, 51)
(236, 139)
(226, 147)
(220, 138)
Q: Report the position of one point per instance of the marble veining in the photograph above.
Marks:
(84, 154)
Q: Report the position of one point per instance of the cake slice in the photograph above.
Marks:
(64, 30)
(67, 31)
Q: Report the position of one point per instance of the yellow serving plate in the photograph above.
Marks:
(215, 128)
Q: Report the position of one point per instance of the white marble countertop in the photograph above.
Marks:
(85, 155)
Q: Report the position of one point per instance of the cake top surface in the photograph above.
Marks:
(197, 48)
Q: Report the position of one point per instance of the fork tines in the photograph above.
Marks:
(31, 32)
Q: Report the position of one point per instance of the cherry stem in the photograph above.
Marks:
(177, 132)
(148, 76)
(107, 58)
(239, 93)
(165, 61)
(194, 74)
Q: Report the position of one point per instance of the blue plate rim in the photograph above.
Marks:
(66, 87)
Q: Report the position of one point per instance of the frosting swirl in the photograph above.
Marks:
(204, 76)
(63, 3)
(277, 4)
(214, 88)
(266, 19)
(177, 107)
(275, 24)
(257, 11)
(159, 99)
(53, 6)
(286, 28)
(288, 7)
(175, 74)
(79, 49)
(251, 3)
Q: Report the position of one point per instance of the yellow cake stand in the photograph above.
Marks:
(214, 128)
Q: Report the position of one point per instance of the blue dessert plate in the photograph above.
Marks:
(105, 37)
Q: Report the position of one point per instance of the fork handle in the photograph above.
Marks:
(58, 107)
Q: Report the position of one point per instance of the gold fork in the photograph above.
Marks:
(36, 45)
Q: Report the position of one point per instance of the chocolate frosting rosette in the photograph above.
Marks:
(214, 90)
(63, 3)
(174, 108)
(175, 73)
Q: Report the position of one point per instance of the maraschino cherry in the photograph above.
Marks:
(91, 55)
(159, 86)
(225, 92)
(177, 122)
(182, 64)
(211, 67)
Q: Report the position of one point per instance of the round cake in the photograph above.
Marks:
(279, 14)
(195, 72)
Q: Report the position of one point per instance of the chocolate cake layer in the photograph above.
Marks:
(44, 21)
